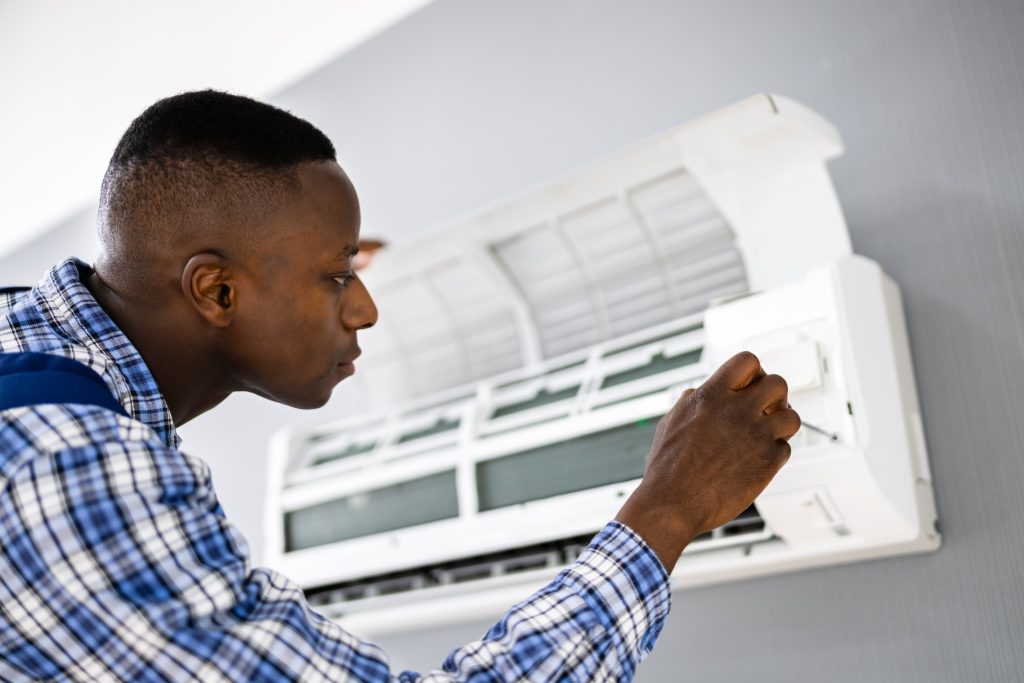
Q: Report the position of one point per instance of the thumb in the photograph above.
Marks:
(738, 372)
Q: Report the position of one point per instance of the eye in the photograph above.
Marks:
(344, 280)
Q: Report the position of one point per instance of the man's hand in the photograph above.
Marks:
(713, 453)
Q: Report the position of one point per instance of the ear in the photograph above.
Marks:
(209, 287)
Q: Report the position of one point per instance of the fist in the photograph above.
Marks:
(713, 453)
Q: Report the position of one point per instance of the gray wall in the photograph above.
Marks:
(467, 102)
(74, 236)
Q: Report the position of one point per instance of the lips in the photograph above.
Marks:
(351, 359)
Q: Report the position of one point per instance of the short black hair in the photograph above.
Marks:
(231, 127)
(200, 160)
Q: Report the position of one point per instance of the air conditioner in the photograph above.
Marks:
(464, 499)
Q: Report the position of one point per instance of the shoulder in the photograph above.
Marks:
(51, 427)
(21, 319)
(81, 442)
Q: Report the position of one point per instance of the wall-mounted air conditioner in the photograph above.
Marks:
(466, 498)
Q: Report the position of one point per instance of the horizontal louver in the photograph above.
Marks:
(544, 397)
(439, 427)
(347, 452)
(607, 457)
(402, 505)
(659, 363)
(746, 530)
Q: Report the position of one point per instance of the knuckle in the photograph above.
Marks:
(746, 357)
(705, 393)
(770, 448)
(786, 425)
(743, 362)
(775, 389)
(778, 383)
(775, 451)
(659, 431)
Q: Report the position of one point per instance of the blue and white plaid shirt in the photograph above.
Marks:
(117, 563)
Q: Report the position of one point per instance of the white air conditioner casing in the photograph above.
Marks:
(460, 502)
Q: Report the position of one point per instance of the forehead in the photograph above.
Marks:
(322, 219)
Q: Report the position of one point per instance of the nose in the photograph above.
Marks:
(359, 312)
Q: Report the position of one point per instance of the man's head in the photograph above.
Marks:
(231, 222)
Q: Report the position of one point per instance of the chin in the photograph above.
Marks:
(312, 400)
(307, 398)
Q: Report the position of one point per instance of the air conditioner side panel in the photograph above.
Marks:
(867, 483)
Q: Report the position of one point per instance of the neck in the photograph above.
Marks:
(186, 372)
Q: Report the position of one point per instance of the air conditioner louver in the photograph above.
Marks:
(398, 506)
(358, 595)
(611, 456)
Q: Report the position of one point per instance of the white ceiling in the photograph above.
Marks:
(74, 74)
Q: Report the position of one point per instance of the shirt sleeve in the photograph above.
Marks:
(122, 566)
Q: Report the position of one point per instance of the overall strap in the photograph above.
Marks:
(29, 378)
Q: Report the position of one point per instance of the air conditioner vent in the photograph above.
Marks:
(648, 340)
(544, 397)
(564, 364)
(409, 503)
(439, 427)
(658, 364)
(746, 530)
(747, 522)
(346, 452)
(607, 457)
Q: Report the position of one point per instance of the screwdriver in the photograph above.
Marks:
(814, 428)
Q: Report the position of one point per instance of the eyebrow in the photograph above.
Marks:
(347, 253)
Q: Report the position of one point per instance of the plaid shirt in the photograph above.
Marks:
(117, 563)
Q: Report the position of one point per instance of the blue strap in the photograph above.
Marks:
(29, 378)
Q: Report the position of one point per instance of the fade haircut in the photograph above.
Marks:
(200, 162)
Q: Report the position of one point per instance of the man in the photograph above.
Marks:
(228, 233)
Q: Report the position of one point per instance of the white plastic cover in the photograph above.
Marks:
(736, 201)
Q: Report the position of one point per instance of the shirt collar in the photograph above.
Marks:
(73, 310)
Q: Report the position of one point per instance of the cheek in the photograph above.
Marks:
(308, 333)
